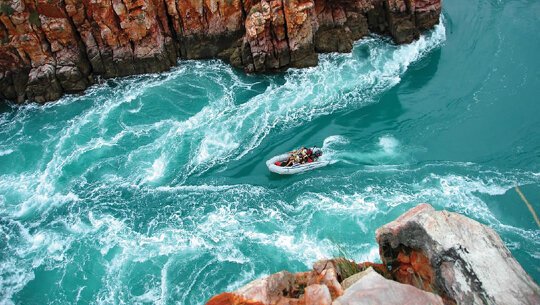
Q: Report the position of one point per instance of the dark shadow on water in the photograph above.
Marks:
(4, 106)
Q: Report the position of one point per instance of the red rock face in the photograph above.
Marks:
(379, 268)
(48, 47)
(340, 24)
(317, 287)
(231, 299)
(323, 286)
(413, 268)
(426, 13)
(124, 37)
(266, 37)
(206, 27)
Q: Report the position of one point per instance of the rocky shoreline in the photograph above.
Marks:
(428, 257)
(52, 47)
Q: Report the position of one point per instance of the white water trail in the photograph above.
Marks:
(340, 81)
(340, 149)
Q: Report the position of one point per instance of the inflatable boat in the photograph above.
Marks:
(297, 168)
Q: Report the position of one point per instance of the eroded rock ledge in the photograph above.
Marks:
(51, 47)
(429, 257)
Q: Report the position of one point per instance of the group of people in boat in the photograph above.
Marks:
(300, 156)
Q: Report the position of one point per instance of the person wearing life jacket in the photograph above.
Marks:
(317, 154)
(303, 155)
(297, 159)
(289, 161)
(299, 156)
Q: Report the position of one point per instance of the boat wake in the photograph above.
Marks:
(387, 151)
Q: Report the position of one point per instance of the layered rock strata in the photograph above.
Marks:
(429, 257)
(51, 47)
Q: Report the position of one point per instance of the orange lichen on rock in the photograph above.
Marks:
(413, 268)
(227, 298)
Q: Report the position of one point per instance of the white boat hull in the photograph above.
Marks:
(295, 169)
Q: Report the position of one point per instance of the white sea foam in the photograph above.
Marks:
(331, 141)
(387, 150)
(388, 144)
(156, 172)
(6, 152)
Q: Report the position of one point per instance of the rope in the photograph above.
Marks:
(518, 190)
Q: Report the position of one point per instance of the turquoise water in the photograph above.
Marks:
(153, 189)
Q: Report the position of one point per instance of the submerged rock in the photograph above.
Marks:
(459, 258)
(429, 257)
(50, 47)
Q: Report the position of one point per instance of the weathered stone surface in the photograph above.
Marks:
(42, 84)
(457, 257)
(406, 18)
(348, 282)
(206, 28)
(340, 24)
(74, 42)
(317, 295)
(379, 268)
(426, 13)
(327, 272)
(319, 286)
(373, 289)
(268, 290)
(273, 289)
(265, 44)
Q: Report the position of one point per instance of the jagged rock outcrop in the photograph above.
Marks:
(370, 288)
(330, 282)
(429, 257)
(51, 47)
(457, 257)
(320, 286)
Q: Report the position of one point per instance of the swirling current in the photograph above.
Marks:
(152, 189)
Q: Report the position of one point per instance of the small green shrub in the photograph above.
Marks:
(347, 267)
(345, 264)
(6, 9)
(34, 18)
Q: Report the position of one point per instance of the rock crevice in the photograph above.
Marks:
(51, 47)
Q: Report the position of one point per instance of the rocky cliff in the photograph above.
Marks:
(429, 257)
(51, 47)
